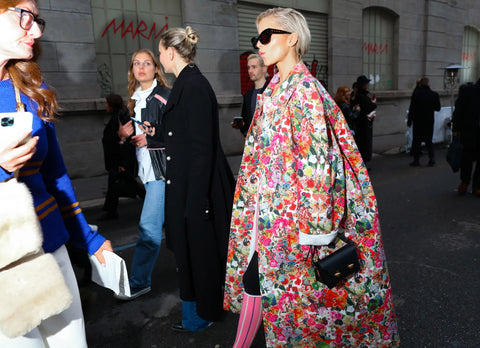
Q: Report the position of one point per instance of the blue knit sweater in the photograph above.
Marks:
(46, 176)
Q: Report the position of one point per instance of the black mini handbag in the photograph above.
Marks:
(340, 265)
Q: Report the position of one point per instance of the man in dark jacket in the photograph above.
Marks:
(364, 125)
(257, 72)
(421, 114)
(120, 160)
(466, 120)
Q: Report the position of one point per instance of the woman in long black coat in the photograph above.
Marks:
(364, 124)
(466, 125)
(199, 190)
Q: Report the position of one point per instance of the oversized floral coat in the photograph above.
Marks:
(301, 181)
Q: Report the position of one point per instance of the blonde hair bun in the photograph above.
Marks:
(191, 35)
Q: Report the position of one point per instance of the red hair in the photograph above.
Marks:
(343, 95)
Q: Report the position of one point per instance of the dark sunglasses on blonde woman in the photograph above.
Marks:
(266, 35)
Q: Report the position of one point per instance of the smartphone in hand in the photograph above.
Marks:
(136, 121)
(14, 126)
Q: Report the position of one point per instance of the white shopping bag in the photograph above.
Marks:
(113, 275)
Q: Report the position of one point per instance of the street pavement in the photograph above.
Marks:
(432, 243)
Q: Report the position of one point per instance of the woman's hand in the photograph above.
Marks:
(107, 245)
(139, 140)
(124, 131)
(15, 156)
(147, 128)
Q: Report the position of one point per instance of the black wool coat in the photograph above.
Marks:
(423, 104)
(199, 192)
(466, 117)
(118, 154)
(363, 126)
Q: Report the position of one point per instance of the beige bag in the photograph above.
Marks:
(32, 287)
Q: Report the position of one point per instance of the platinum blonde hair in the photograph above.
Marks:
(292, 21)
(184, 41)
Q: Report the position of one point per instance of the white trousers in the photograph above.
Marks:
(66, 329)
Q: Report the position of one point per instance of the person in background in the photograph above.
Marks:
(119, 156)
(342, 98)
(200, 183)
(301, 182)
(40, 166)
(148, 91)
(257, 72)
(364, 124)
(466, 125)
(421, 114)
(353, 93)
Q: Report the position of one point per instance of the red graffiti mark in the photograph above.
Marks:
(469, 56)
(374, 48)
(141, 29)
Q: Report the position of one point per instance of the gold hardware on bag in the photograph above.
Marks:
(338, 274)
(350, 266)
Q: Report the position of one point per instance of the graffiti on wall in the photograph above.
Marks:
(469, 57)
(141, 29)
(375, 48)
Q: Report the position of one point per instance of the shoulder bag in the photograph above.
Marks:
(340, 265)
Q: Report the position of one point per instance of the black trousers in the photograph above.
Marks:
(251, 280)
(468, 158)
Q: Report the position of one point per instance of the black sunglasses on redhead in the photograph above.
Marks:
(27, 19)
(266, 35)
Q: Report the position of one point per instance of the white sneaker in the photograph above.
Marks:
(133, 295)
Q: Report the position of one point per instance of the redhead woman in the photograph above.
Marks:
(199, 184)
(40, 166)
(342, 98)
(301, 183)
(148, 92)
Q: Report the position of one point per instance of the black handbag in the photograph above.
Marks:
(454, 154)
(340, 265)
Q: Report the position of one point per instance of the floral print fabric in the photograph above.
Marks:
(303, 179)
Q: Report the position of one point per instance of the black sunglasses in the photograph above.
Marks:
(27, 19)
(266, 35)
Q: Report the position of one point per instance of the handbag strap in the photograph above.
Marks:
(20, 105)
(313, 250)
(345, 239)
(20, 108)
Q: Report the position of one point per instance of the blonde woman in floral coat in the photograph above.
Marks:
(302, 181)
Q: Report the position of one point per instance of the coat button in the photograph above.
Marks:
(206, 211)
(169, 158)
(168, 182)
(170, 134)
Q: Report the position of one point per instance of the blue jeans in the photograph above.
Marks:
(190, 319)
(149, 235)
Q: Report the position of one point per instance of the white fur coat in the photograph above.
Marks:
(32, 287)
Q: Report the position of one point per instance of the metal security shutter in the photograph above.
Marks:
(471, 41)
(378, 41)
(317, 22)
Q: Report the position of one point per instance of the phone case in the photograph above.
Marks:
(14, 126)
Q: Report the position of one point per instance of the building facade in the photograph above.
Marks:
(87, 46)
